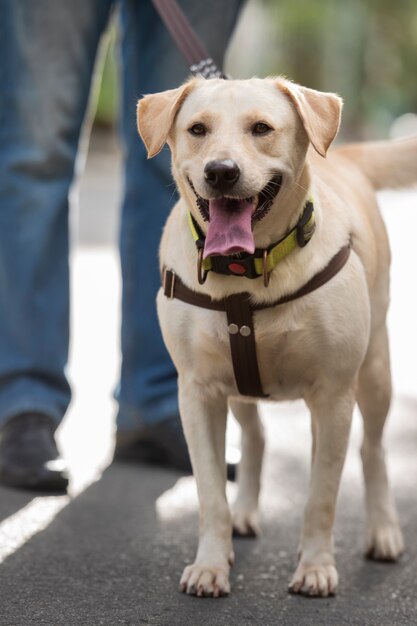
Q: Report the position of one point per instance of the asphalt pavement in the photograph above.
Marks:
(112, 551)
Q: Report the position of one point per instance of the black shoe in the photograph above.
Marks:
(29, 457)
(161, 444)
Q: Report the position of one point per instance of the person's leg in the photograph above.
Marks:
(151, 62)
(47, 51)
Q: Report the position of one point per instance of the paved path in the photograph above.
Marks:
(112, 552)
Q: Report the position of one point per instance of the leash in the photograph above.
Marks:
(188, 42)
(239, 312)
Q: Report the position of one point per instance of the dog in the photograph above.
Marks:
(248, 157)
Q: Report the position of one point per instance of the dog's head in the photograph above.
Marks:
(235, 144)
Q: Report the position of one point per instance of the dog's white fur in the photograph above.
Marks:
(329, 348)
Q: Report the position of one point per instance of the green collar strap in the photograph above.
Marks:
(263, 260)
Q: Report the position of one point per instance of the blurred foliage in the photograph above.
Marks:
(365, 50)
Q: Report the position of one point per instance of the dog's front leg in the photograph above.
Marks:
(204, 421)
(331, 414)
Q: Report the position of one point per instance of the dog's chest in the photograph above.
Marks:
(201, 338)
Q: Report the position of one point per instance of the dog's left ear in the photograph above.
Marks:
(320, 113)
(156, 114)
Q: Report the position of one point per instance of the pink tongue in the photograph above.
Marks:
(230, 227)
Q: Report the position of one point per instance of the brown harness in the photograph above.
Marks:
(239, 311)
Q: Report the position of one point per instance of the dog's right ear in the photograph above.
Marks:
(156, 114)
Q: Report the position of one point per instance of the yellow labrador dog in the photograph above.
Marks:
(261, 203)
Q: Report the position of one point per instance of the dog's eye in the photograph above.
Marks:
(260, 128)
(197, 129)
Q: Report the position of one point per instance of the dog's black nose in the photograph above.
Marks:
(222, 175)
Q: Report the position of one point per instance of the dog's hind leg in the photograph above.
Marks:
(245, 508)
(384, 537)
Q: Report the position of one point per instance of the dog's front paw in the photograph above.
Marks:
(246, 523)
(205, 580)
(314, 580)
(385, 542)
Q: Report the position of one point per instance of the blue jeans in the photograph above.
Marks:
(47, 54)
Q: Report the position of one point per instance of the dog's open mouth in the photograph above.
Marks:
(231, 220)
(229, 230)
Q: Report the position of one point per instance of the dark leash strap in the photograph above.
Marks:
(239, 311)
(188, 42)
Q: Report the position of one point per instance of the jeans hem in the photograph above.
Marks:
(31, 407)
(131, 419)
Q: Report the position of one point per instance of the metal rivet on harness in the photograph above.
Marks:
(245, 331)
(233, 329)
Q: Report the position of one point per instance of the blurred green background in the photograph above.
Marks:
(365, 50)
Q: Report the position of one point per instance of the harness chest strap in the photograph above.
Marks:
(239, 311)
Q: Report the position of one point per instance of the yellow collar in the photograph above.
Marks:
(263, 260)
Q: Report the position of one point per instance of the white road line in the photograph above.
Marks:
(35, 517)
(17, 529)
